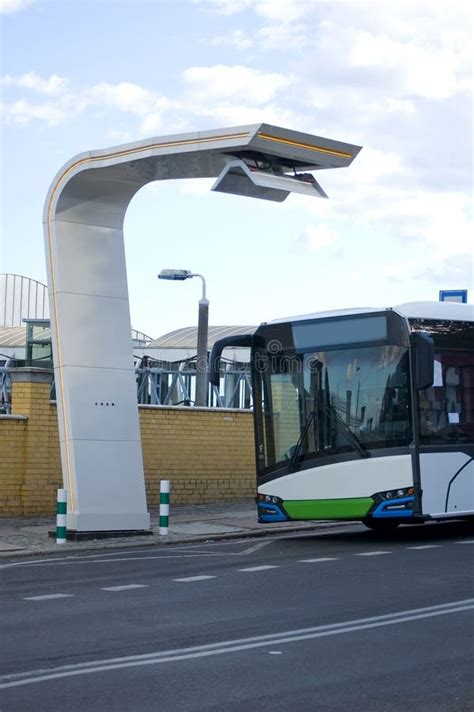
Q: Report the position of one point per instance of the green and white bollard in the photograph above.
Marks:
(164, 506)
(61, 517)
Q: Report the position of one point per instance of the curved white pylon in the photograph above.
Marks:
(83, 225)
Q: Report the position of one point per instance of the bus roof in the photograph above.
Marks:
(411, 310)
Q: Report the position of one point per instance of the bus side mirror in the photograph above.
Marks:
(423, 352)
(242, 340)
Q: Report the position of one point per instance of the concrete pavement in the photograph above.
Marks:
(192, 523)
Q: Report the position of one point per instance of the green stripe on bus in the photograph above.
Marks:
(355, 507)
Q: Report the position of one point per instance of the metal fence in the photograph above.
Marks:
(166, 385)
(161, 385)
(5, 389)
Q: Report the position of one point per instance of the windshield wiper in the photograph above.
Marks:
(346, 431)
(299, 442)
(343, 428)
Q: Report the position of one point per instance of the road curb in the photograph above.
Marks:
(192, 539)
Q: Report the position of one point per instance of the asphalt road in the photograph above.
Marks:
(335, 620)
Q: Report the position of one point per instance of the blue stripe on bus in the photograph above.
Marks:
(271, 513)
(382, 511)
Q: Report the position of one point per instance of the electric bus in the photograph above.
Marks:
(364, 414)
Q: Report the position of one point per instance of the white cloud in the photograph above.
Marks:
(66, 102)
(237, 38)
(399, 106)
(119, 136)
(124, 96)
(222, 95)
(373, 164)
(279, 33)
(222, 82)
(62, 102)
(282, 36)
(426, 71)
(164, 113)
(441, 220)
(151, 124)
(321, 97)
(315, 238)
(227, 7)
(23, 112)
(283, 11)
(52, 85)
(10, 6)
(454, 272)
(229, 114)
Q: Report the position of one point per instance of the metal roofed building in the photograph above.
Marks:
(181, 344)
(12, 342)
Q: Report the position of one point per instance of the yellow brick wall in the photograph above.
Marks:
(208, 455)
(12, 454)
(41, 460)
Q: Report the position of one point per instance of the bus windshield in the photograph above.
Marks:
(334, 402)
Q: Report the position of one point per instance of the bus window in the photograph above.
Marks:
(446, 409)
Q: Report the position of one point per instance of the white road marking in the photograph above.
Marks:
(189, 579)
(317, 561)
(372, 553)
(424, 546)
(274, 652)
(147, 558)
(88, 558)
(233, 646)
(48, 597)
(258, 568)
(466, 541)
(27, 563)
(125, 587)
(256, 547)
(75, 560)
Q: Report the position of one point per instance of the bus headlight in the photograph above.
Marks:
(396, 494)
(399, 503)
(268, 498)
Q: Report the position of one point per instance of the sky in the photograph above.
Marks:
(395, 78)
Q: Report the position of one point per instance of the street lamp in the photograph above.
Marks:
(203, 322)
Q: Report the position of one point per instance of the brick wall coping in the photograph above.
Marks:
(187, 408)
(29, 374)
(13, 417)
(194, 409)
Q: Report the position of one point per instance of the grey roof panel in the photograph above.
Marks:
(186, 338)
(12, 336)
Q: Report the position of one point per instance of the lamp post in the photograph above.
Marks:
(203, 323)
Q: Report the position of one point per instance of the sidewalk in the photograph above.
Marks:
(195, 523)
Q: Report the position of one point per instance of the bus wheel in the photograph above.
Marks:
(380, 525)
